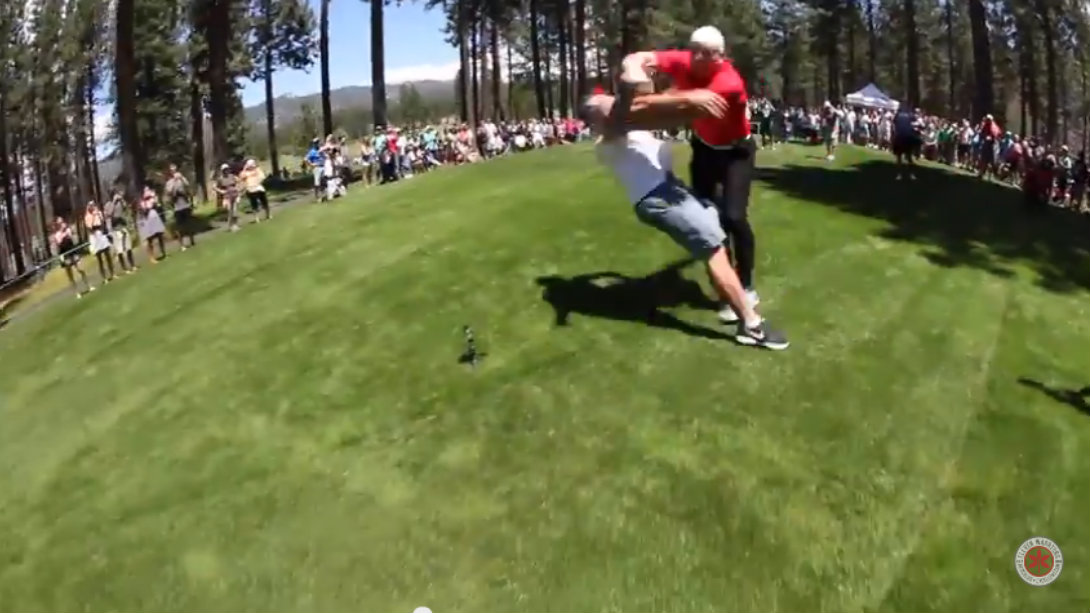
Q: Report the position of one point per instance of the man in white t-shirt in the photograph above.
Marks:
(643, 165)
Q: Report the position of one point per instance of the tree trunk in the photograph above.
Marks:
(474, 74)
(535, 57)
(91, 137)
(511, 109)
(19, 160)
(912, 54)
(599, 67)
(853, 13)
(219, 82)
(79, 135)
(982, 60)
(788, 82)
(39, 188)
(125, 73)
(270, 110)
(832, 49)
(497, 74)
(378, 63)
(9, 201)
(570, 58)
(196, 128)
(463, 61)
(1023, 92)
(949, 14)
(1029, 47)
(872, 43)
(562, 53)
(579, 39)
(323, 50)
(1063, 112)
(548, 53)
(1083, 109)
(1052, 124)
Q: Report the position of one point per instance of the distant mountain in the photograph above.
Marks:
(354, 96)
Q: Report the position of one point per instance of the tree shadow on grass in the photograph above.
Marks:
(611, 295)
(1078, 399)
(10, 305)
(959, 220)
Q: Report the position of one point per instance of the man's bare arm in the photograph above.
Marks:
(673, 109)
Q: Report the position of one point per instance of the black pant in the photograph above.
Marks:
(258, 201)
(732, 170)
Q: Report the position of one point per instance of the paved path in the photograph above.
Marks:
(217, 226)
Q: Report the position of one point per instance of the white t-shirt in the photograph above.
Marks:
(639, 160)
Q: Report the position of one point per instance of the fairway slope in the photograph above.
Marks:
(278, 419)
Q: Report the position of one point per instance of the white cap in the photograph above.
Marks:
(708, 37)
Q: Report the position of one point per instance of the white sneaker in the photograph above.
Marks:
(727, 314)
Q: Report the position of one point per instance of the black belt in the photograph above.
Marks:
(734, 144)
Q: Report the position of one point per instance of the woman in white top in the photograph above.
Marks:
(99, 241)
(151, 225)
(644, 166)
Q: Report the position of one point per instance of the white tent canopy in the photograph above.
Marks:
(872, 97)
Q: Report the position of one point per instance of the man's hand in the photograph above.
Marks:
(707, 102)
(634, 72)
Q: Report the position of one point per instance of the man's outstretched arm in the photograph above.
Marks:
(657, 111)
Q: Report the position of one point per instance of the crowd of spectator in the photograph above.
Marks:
(1047, 173)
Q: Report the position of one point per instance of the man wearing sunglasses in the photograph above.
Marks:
(722, 165)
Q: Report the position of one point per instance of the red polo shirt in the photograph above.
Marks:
(726, 82)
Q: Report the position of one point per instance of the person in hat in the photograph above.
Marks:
(226, 187)
(253, 180)
(315, 161)
(643, 165)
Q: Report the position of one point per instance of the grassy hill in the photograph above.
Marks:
(278, 420)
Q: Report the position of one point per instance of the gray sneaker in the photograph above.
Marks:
(762, 335)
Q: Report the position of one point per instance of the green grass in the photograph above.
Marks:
(278, 421)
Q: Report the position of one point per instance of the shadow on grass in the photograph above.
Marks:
(1077, 399)
(958, 219)
(11, 305)
(611, 295)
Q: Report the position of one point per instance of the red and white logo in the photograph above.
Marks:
(1039, 561)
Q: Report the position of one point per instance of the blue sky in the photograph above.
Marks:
(415, 50)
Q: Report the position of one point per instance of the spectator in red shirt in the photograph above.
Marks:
(723, 152)
(1037, 184)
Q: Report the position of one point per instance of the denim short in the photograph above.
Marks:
(693, 224)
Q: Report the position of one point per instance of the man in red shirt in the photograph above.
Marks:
(723, 152)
